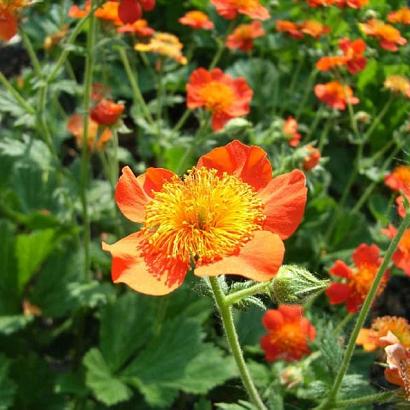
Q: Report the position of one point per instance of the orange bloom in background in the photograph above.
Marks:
(335, 95)
(219, 93)
(401, 257)
(398, 84)
(401, 16)
(243, 36)
(372, 339)
(353, 57)
(288, 333)
(389, 37)
(313, 28)
(290, 129)
(312, 158)
(320, 3)
(9, 17)
(197, 20)
(354, 4)
(398, 361)
(164, 44)
(75, 127)
(226, 215)
(107, 112)
(288, 27)
(107, 12)
(357, 280)
(229, 9)
(399, 178)
(139, 28)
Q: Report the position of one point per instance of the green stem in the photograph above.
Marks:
(341, 325)
(133, 79)
(331, 398)
(233, 341)
(236, 297)
(323, 136)
(85, 154)
(182, 120)
(379, 117)
(30, 50)
(16, 95)
(308, 89)
(372, 398)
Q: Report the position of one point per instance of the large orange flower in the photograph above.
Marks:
(401, 16)
(357, 280)
(353, 57)
(399, 178)
(289, 333)
(229, 9)
(243, 36)
(389, 37)
(197, 20)
(9, 17)
(227, 215)
(372, 339)
(335, 95)
(224, 96)
(398, 362)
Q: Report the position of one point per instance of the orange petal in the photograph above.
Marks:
(272, 319)
(8, 26)
(366, 255)
(132, 193)
(284, 199)
(249, 163)
(291, 312)
(340, 269)
(338, 293)
(129, 267)
(259, 259)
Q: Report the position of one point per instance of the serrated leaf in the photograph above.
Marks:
(355, 385)
(106, 387)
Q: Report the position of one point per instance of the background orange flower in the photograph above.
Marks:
(229, 9)
(197, 20)
(243, 36)
(335, 95)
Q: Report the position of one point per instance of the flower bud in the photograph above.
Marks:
(294, 284)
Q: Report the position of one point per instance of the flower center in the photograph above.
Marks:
(217, 96)
(203, 216)
(290, 338)
(362, 279)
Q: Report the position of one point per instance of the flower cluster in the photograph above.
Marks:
(311, 28)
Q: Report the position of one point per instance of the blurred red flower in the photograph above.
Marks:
(243, 36)
(224, 96)
(229, 9)
(335, 95)
(288, 333)
(226, 215)
(9, 17)
(389, 37)
(290, 129)
(401, 257)
(356, 280)
(106, 112)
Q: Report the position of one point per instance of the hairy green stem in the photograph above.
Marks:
(85, 153)
(233, 341)
(329, 401)
(236, 297)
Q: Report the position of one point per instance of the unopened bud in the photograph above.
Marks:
(362, 117)
(294, 284)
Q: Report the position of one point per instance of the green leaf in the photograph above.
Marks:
(355, 386)
(7, 387)
(241, 405)
(31, 251)
(125, 327)
(106, 387)
(12, 324)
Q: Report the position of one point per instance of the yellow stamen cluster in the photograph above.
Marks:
(203, 216)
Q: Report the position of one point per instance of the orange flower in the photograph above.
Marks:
(401, 16)
(164, 44)
(371, 339)
(314, 28)
(354, 4)
(335, 95)
(227, 215)
(224, 96)
(401, 257)
(289, 333)
(229, 9)
(289, 27)
(320, 3)
(197, 20)
(107, 12)
(290, 129)
(352, 57)
(358, 280)
(398, 84)
(139, 27)
(312, 158)
(389, 37)
(75, 127)
(107, 112)
(9, 17)
(398, 361)
(399, 178)
(243, 36)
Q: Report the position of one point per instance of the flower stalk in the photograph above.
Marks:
(225, 311)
